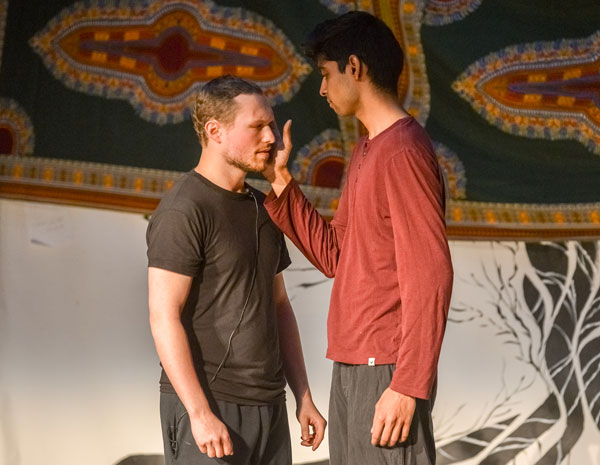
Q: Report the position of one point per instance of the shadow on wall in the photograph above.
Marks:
(160, 460)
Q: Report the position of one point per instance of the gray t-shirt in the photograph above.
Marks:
(209, 233)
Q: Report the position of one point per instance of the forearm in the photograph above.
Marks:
(317, 239)
(421, 334)
(423, 266)
(291, 351)
(175, 356)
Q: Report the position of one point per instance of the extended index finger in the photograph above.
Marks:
(287, 134)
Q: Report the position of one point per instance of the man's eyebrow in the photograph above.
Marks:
(262, 121)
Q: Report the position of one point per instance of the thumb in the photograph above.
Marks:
(304, 429)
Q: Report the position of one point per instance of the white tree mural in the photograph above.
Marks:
(541, 304)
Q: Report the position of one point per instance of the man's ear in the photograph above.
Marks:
(213, 130)
(357, 67)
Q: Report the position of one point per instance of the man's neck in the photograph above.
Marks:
(378, 111)
(216, 170)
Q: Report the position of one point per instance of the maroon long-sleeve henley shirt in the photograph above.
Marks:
(387, 248)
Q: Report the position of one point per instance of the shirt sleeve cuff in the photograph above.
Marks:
(412, 391)
(272, 202)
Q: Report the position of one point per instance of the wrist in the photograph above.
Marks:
(199, 412)
(303, 397)
(281, 180)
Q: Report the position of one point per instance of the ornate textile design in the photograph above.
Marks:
(157, 54)
(322, 161)
(140, 189)
(404, 18)
(344, 6)
(16, 130)
(440, 12)
(547, 90)
(454, 171)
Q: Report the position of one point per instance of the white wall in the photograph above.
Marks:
(79, 373)
(78, 369)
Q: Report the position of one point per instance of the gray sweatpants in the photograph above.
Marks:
(355, 389)
(259, 433)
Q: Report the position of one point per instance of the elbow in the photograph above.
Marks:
(154, 320)
(159, 318)
(329, 267)
(330, 270)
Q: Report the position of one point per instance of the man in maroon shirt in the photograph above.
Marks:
(386, 248)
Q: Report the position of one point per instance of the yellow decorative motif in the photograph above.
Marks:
(253, 51)
(131, 35)
(565, 101)
(532, 98)
(573, 73)
(537, 77)
(100, 57)
(456, 214)
(214, 71)
(127, 62)
(217, 42)
(490, 217)
(408, 8)
(101, 36)
(244, 71)
(523, 217)
(17, 171)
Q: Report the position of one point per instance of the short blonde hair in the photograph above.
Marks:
(215, 101)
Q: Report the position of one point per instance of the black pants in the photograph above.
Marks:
(355, 389)
(259, 433)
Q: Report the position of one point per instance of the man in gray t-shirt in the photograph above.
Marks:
(220, 316)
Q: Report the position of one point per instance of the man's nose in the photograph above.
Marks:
(323, 89)
(269, 136)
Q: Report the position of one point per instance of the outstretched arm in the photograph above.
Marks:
(290, 210)
(295, 370)
(168, 292)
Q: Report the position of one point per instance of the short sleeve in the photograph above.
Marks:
(284, 256)
(174, 243)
